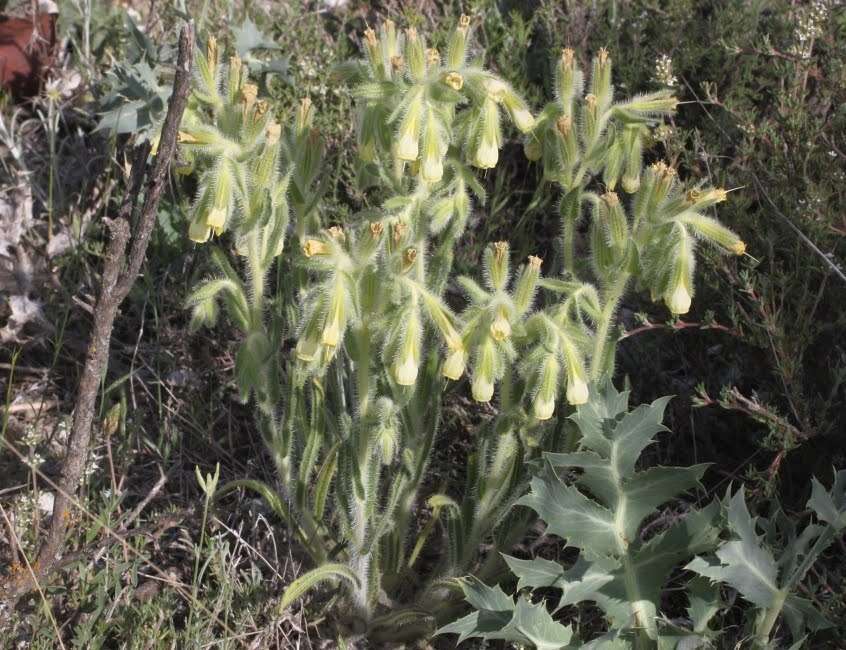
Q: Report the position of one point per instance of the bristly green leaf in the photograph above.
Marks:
(578, 583)
(747, 562)
(535, 624)
(743, 563)
(494, 610)
(498, 618)
(616, 569)
(573, 516)
(308, 581)
(830, 506)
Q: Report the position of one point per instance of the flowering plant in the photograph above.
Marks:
(352, 410)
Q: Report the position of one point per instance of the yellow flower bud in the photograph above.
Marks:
(678, 300)
(216, 218)
(433, 169)
(405, 371)
(500, 328)
(523, 119)
(486, 155)
(407, 149)
(199, 232)
(739, 248)
(496, 88)
(454, 364)
(577, 391)
(543, 406)
(482, 388)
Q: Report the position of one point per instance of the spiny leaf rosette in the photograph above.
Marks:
(348, 347)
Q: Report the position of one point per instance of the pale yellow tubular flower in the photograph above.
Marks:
(577, 391)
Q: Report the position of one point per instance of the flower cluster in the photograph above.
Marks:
(664, 71)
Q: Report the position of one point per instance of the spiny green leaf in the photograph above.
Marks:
(635, 432)
(647, 490)
(495, 610)
(578, 583)
(830, 506)
(747, 567)
(704, 603)
(535, 624)
(573, 516)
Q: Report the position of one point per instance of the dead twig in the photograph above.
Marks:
(116, 283)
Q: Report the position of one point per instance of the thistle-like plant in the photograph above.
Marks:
(601, 511)
(767, 568)
(349, 348)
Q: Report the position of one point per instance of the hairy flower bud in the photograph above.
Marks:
(577, 391)
(678, 300)
(216, 219)
(482, 388)
(524, 292)
(520, 113)
(543, 406)
(405, 371)
(414, 54)
(500, 327)
(487, 154)
(496, 88)
(454, 364)
(457, 48)
(199, 232)
(407, 361)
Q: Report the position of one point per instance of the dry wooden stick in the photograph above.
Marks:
(116, 283)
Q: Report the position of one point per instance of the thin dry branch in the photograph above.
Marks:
(118, 279)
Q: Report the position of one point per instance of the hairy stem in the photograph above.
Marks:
(609, 310)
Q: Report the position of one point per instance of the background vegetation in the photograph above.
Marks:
(758, 368)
